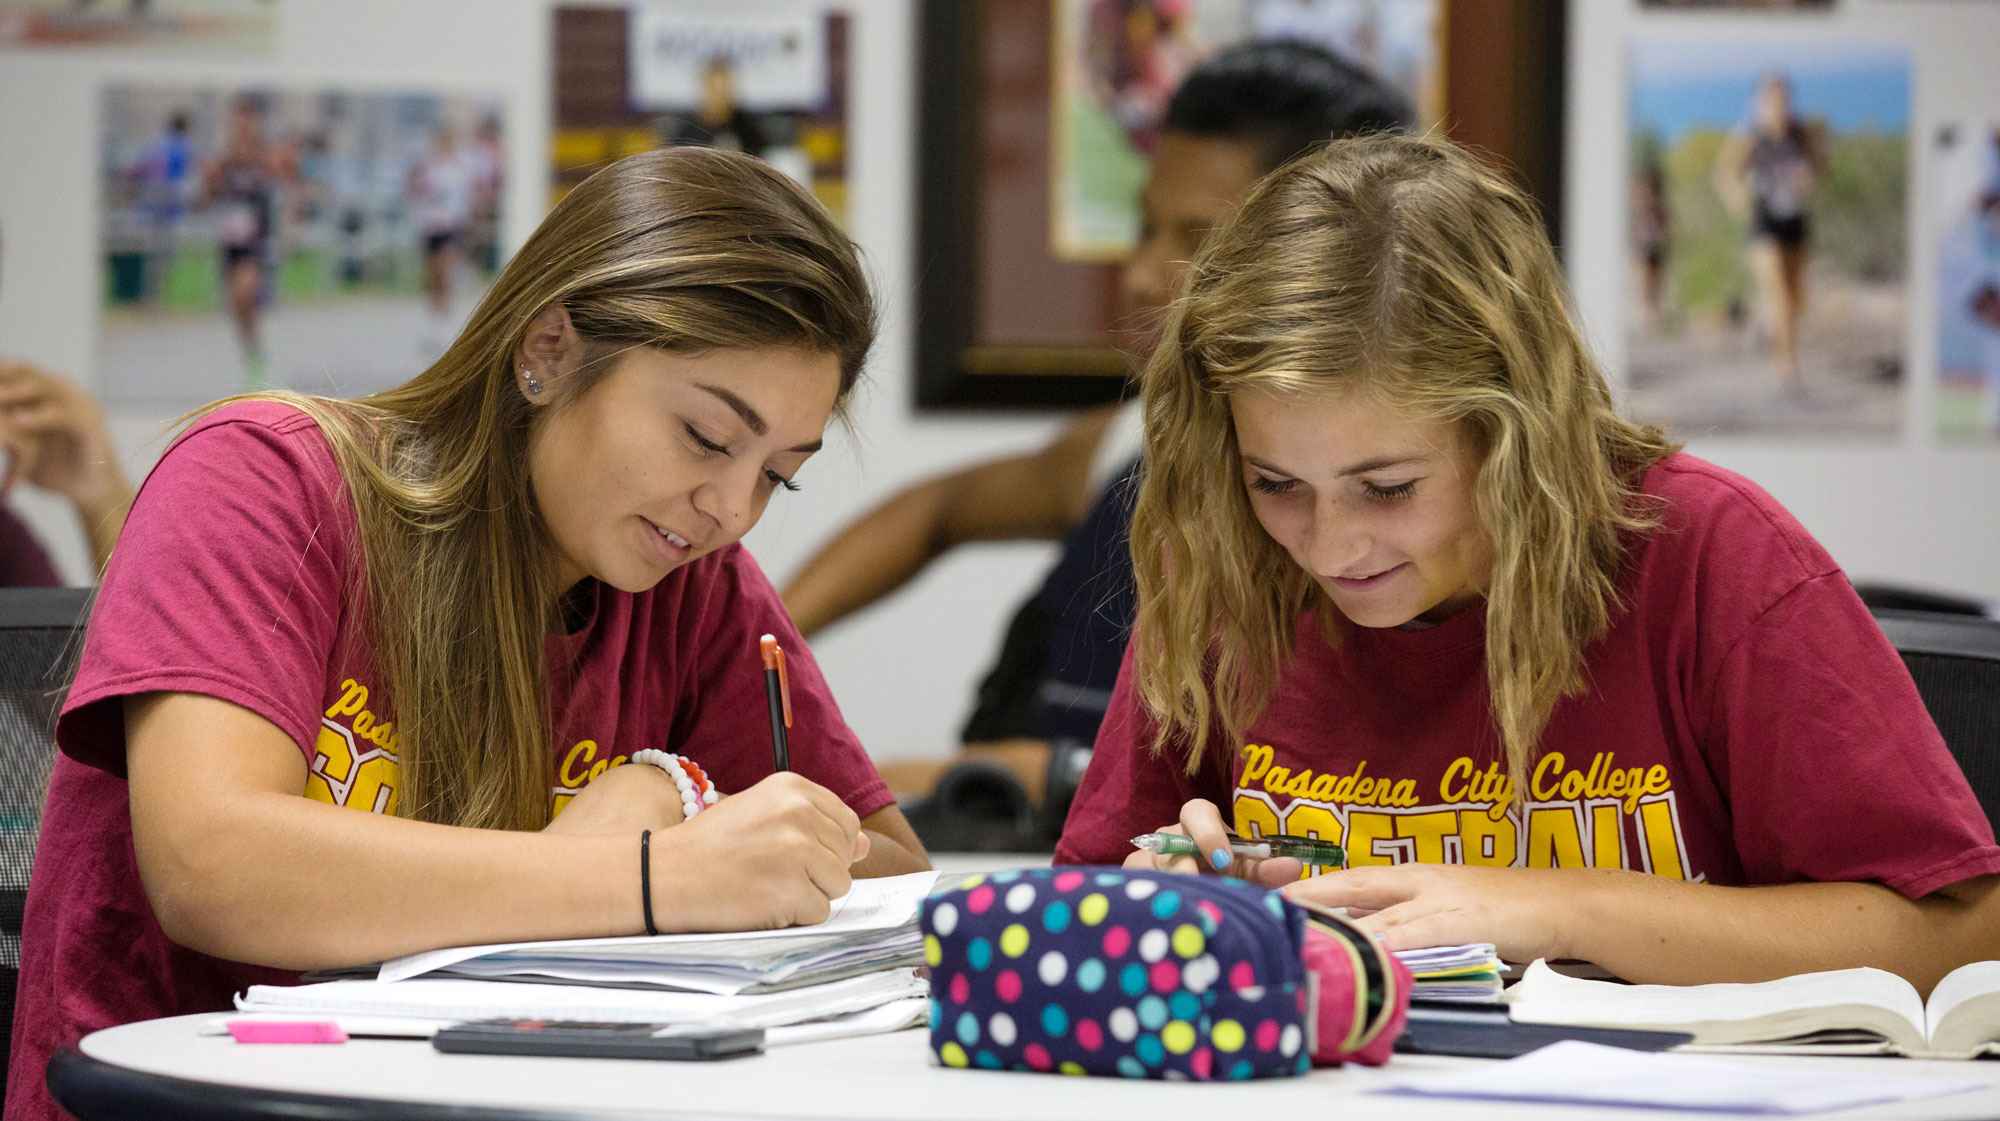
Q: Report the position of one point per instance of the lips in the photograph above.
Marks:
(672, 547)
(1366, 583)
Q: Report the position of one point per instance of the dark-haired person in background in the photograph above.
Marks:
(1241, 113)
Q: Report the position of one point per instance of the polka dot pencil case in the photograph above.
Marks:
(1151, 975)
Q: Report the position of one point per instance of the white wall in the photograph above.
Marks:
(1906, 509)
(904, 673)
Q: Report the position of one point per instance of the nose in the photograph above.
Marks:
(1333, 543)
(730, 500)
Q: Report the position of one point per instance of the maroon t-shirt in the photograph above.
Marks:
(1746, 723)
(23, 561)
(229, 582)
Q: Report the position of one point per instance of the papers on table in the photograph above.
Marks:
(429, 998)
(1577, 1073)
(851, 974)
(872, 927)
(1469, 973)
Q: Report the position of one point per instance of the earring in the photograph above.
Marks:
(534, 383)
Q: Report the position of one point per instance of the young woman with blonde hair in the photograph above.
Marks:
(1408, 582)
(461, 607)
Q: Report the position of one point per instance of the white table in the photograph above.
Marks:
(160, 1070)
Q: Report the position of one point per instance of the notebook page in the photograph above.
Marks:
(1960, 985)
(452, 999)
(1725, 1013)
(878, 904)
(1580, 1073)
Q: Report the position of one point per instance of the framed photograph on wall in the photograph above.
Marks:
(767, 77)
(1036, 122)
(1768, 188)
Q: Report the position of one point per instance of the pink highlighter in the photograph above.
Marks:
(286, 1031)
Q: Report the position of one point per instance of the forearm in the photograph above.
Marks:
(1650, 929)
(870, 559)
(292, 883)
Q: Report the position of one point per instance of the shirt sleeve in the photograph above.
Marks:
(1128, 789)
(1833, 767)
(720, 716)
(226, 582)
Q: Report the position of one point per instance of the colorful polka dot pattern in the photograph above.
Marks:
(1124, 973)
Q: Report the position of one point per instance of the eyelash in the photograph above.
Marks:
(710, 447)
(1381, 494)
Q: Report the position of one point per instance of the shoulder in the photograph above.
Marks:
(1722, 542)
(262, 459)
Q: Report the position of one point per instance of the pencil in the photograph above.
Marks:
(778, 692)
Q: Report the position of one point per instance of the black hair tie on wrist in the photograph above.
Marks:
(646, 877)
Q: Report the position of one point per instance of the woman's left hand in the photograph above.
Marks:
(1524, 912)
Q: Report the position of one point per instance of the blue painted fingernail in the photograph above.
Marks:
(1220, 857)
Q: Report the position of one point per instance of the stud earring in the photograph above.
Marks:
(534, 383)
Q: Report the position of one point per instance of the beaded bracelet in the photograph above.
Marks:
(697, 792)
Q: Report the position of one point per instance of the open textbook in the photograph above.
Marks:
(1840, 1012)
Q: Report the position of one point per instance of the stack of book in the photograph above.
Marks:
(854, 972)
(1469, 973)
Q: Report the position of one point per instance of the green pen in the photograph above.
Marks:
(1306, 850)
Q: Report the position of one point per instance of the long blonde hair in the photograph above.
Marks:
(685, 249)
(1404, 267)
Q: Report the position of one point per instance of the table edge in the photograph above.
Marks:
(96, 1090)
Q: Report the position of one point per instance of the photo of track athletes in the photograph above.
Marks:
(1966, 169)
(1768, 190)
(327, 241)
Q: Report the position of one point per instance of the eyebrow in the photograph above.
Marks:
(752, 419)
(1365, 467)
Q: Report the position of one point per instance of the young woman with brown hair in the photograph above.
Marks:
(1409, 583)
(459, 606)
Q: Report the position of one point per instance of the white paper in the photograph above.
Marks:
(451, 999)
(1578, 1073)
(878, 904)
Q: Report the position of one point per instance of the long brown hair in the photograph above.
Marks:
(685, 249)
(1404, 267)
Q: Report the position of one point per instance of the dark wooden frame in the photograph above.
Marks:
(1511, 50)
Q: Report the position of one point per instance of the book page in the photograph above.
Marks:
(1729, 1013)
(1977, 1022)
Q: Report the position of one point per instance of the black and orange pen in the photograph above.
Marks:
(778, 691)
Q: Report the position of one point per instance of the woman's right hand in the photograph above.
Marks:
(772, 856)
(1201, 820)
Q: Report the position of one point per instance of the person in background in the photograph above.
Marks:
(377, 675)
(441, 188)
(1766, 173)
(54, 437)
(1241, 113)
(163, 177)
(241, 187)
(719, 121)
(1409, 584)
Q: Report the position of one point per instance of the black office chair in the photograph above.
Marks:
(1955, 660)
(39, 643)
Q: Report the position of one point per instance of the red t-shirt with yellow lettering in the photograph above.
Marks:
(229, 581)
(1746, 722)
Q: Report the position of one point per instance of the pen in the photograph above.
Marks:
(778, 691)
(1307, 850)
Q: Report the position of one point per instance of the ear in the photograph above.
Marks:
(550, 351)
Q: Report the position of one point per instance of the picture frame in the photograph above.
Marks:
(1005, 321)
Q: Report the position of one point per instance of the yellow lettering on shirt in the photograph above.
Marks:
(1584, 813)
(354, 761)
